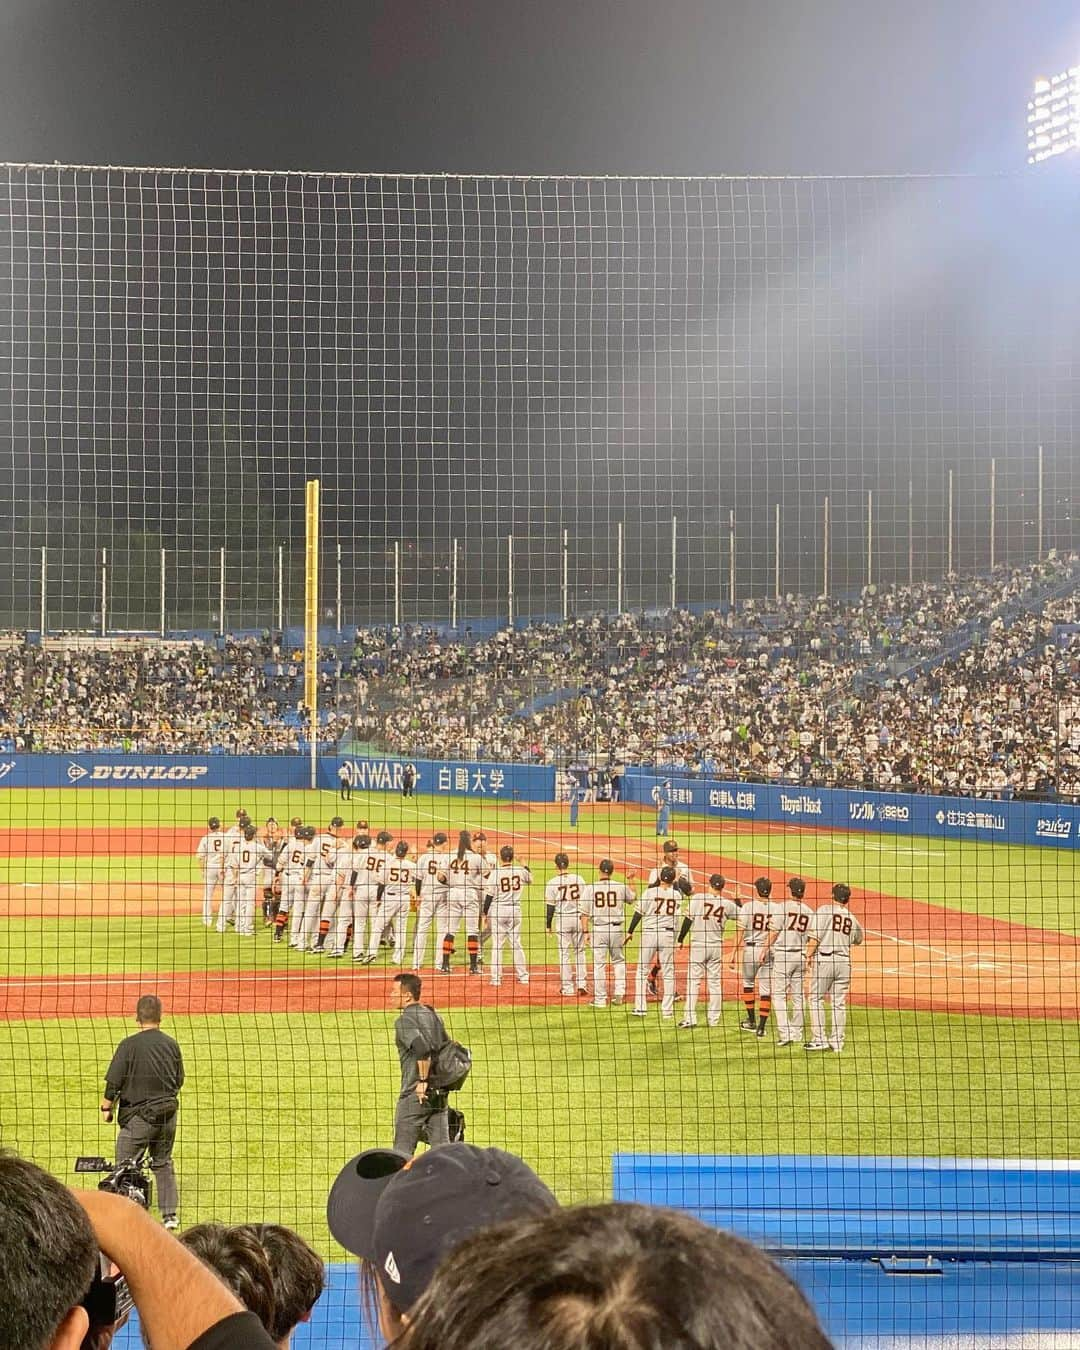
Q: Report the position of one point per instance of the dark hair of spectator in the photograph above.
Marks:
(611, 1277)
(237, 1258)
(148, 1010)
(47, 1254)
(410, 982)
(464, 843)
(299, 1275)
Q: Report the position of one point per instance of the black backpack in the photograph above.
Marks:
(450, 1066)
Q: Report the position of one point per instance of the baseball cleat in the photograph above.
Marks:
(617, 1001)
(687, 1026)
(599, 1005)
(277, 937)
(171, 1222)
(748, 1025)
(523, 979)
(582, 989)
(816, 1045)
(638, 1012)
(335, 956)
(761, 1029)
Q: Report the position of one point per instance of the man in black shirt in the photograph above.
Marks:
(142, 1082)
(419, 1033)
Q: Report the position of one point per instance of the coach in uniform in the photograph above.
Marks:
(828, 965)
(418, 1033)
(143, 1082)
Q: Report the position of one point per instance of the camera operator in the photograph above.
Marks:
(143, 1081)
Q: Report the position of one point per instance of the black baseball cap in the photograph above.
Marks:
(404, 1214)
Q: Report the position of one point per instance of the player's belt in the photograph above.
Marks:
(845, 955)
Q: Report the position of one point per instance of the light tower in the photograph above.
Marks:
(1054, 116)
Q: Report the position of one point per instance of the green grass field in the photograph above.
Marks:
(276, 1101)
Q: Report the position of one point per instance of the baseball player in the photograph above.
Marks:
(465, 874)
(661, 798)
(210, 853)
(658, 914)
(503, 906)
(322, 898)
(366, 881)
(240, 823)
(602, 915)
(834, 931)
(344, 896)
(784, 963)
(399, 872)
(754, 921)
(292, 873)
(430, 865)
(273, 841)
(242, 865)
(709, 912)
(577, 792)
(682, 873)
(491, 861)
(564, 896)
(383, 840)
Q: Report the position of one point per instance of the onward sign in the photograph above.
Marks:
(465, 778)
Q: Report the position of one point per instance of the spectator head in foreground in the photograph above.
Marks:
(611, 1277)
(270, 1269)
(239, 1262)
(48, 1256)
(402, 1216)
(299, 1277)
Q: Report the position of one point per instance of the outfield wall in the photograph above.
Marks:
(971, 818)
(993, 822)
(497, 782)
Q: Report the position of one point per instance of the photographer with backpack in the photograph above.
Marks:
(431, 1065)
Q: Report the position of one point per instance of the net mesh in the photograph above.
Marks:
(658, 420)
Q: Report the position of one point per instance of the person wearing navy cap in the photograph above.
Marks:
(401, 1216)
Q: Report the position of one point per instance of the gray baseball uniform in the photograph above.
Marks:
(708, 914)
(660, 908)
(505, 884)
(566, 891)
(211, 856)
(432, 907)
(837, 930)
(398, 876)
(754, 922)
(605, 902)
(786, 966)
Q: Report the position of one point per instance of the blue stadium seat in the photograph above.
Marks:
(871, 1206)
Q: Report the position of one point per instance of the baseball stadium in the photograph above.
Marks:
(646, 610)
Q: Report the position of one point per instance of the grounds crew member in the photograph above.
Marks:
(142, 1084)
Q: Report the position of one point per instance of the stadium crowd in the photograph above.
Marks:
(961, 685)
(804, 690)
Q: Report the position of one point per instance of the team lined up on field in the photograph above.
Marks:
(329, 892)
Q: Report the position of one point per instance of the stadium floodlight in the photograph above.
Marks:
(1054, 116)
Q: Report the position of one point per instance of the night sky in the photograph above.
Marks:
(515, 86)
(468, 357)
